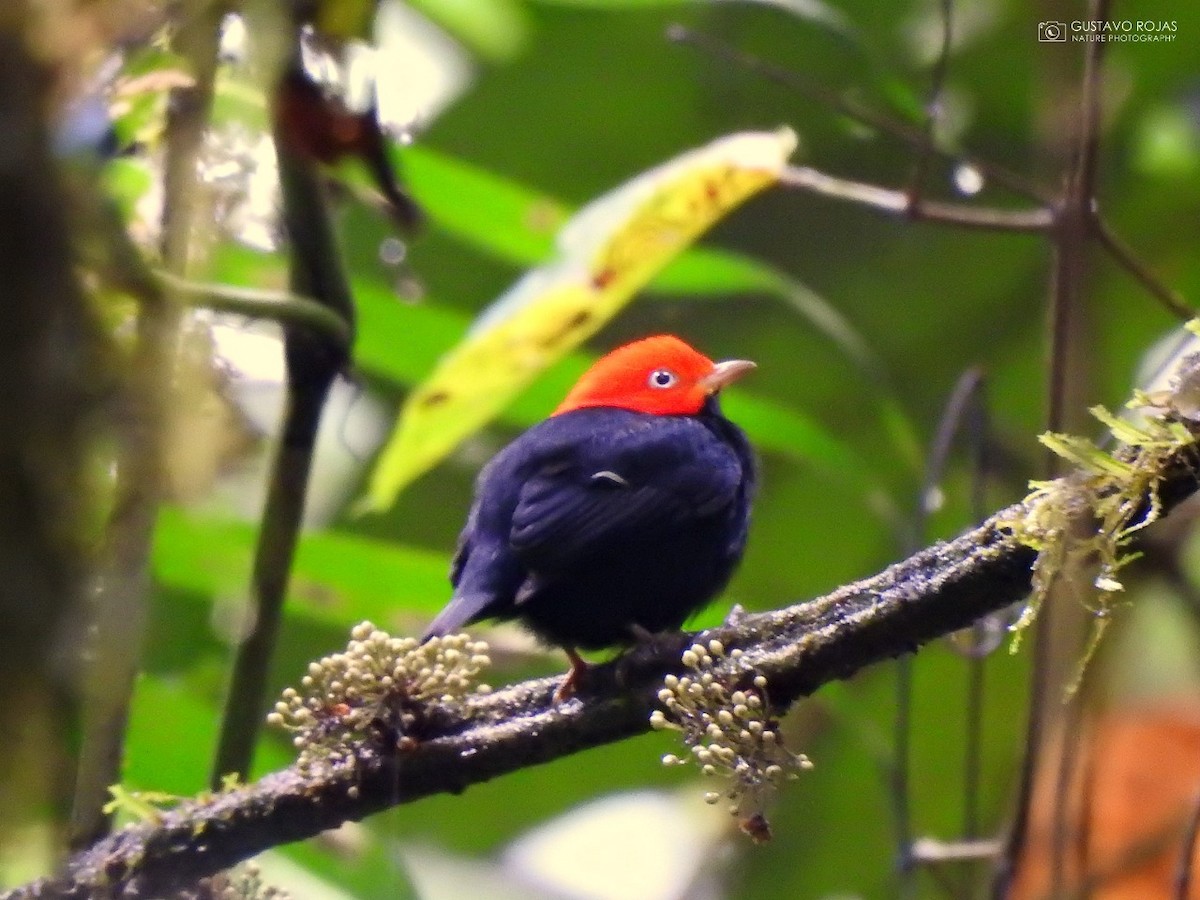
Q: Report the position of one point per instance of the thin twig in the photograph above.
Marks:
(898, 202)
(928, 850)
(933, 104)
(848, 106)
(906, 861)
(953, 416)
(1088, 153)
(982, 638)
(1063, 836)
(1124, 256)
(957, 416)
(1187, 853)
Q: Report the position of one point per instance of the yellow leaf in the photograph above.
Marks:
(606, 253)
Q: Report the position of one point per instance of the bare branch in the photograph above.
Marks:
(961, 412)
(928, 850)
(1124, 256)
(901, 203)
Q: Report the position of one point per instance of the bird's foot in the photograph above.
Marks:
(575, 677)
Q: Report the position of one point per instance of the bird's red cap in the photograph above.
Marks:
(660, 375)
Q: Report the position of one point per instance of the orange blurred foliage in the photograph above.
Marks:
(1134, 792)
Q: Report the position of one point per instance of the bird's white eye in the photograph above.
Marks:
(662, 378)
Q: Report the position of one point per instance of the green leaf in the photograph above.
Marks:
(710, 270)
(170, 738)
(127, 180)
(337, 578)
(505, 219)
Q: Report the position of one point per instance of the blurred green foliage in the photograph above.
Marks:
(570, 99)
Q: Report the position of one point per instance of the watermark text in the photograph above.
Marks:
(1109, 31)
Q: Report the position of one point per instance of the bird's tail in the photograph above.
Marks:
(462, 610)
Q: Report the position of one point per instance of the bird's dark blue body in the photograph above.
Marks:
(601, 520)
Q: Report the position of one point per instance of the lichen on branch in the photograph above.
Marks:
(1086, 521)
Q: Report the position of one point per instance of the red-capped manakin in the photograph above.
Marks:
(623, 513)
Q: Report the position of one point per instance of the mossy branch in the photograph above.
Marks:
(797, 649)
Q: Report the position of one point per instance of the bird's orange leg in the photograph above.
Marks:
(579, 668)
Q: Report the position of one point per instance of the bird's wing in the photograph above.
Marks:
(621, 486)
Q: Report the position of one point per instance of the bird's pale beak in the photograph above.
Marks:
(725, 373)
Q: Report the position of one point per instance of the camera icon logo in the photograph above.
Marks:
(1052, 32)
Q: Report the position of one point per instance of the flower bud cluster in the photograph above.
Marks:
(722, 712)
(377, 681)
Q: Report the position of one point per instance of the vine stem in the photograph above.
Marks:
(314, 358)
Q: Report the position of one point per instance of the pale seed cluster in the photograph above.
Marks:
(729, 731)
(377, 682)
